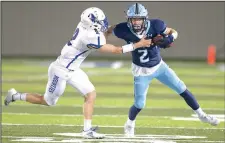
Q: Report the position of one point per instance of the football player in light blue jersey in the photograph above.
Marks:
(147, 63)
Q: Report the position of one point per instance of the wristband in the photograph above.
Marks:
(128, 48)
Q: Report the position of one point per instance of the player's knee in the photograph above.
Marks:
(90, 97)
(140, 104)
(42, 101)
(49, 101)
(181, 87)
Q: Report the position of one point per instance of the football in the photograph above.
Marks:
(157, 39)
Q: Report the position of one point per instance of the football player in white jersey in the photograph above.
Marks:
(88, 37)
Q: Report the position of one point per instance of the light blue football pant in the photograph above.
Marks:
(165, 75)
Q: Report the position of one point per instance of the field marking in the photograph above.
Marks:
(221, 67)
(200, 141)
(122, 107)
(33, 140)
(151, 138)
(81, 140)
(80, 115)
(137, 136)
(221, 116)
(195, 117)
(50, 139)
(190, 119)
(105, 126)
(28, 78)
(105, 115)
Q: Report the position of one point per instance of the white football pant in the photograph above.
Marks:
(59, 76)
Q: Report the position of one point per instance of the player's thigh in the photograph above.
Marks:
(141, 85)
(170, 78)
(55, 86)
(81, 82)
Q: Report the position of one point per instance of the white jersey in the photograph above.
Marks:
(79, 47)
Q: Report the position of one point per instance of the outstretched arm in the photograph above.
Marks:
(109, 31)
(108, 48)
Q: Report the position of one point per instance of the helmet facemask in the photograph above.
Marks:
(135, 14)
(137, 24)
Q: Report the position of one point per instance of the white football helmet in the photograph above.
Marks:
(95, 19)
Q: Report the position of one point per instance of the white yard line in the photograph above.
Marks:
(97, 106)
(77, 137)
(199, 141)
(80, 115)
(194, 117)
(74, 137)
(190, 119)
(28, 78)
(222, 116)
(105, 126)
(113, 138)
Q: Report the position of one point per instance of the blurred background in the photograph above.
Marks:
(33, 34)
(40, 29)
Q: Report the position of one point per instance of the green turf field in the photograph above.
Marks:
(165, 119)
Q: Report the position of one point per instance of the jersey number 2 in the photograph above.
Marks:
(143, 57)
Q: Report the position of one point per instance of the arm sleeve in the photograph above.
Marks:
(96, 41)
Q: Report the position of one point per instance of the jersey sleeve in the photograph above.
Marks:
(160, 26)
(119, 30)
(95, 41)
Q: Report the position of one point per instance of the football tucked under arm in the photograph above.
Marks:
(163, 41)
